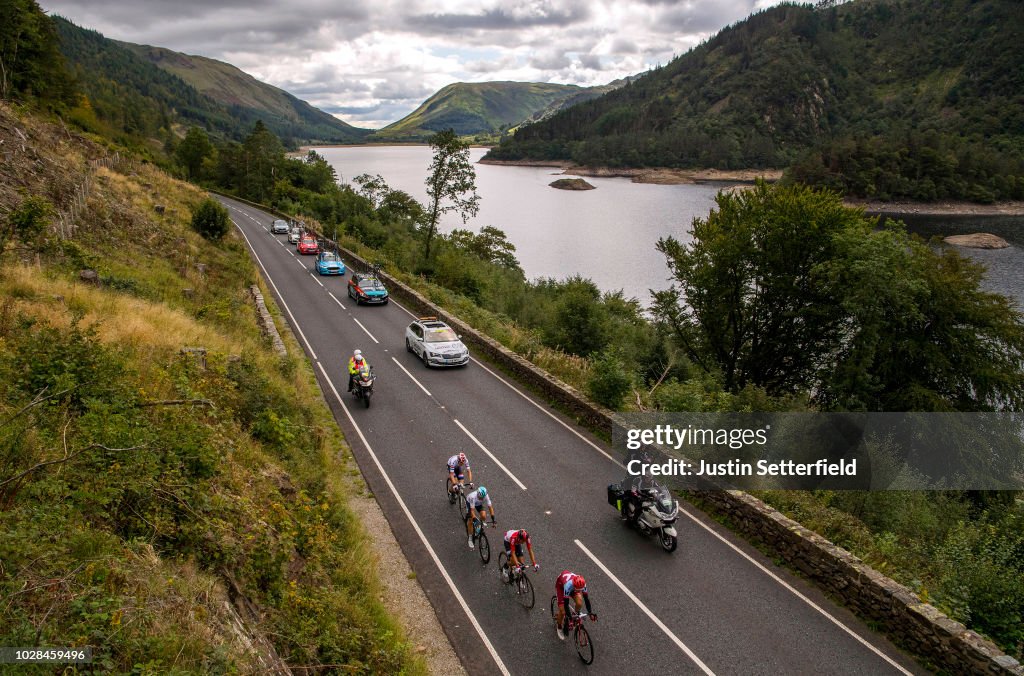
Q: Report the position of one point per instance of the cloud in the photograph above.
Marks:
(370, 62)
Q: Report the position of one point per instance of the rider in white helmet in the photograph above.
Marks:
(355, 365)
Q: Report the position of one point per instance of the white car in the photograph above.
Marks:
(435, 343)
(280, 227)
(294, 235)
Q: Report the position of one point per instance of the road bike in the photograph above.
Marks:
(480, 539)
(580, 636)
(517, 581)
(458, 495)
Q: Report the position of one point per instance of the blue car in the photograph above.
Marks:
(328, 263)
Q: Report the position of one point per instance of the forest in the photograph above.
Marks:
(890, 99)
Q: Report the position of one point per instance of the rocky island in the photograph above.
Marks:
(978, 240)
(571, 184)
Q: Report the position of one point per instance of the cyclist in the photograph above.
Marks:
(355, 364)
(514, 541)
(570, 585)
(458, 469)
(477, 503)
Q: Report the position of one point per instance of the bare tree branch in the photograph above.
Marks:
(66, 458)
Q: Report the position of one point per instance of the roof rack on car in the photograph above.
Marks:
(428, 319)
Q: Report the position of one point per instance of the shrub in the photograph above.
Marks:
(609, 381)
(210, 219)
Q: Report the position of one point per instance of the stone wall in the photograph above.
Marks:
(919, 627)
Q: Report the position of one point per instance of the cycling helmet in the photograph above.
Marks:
(358, 354)
(482, 492)
(523, 535)
(579, 583)
(462, 459)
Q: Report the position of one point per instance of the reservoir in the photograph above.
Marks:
(609, 234)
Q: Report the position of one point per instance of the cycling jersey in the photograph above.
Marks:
(453, 464)
(565, 587)
(474, 501)
(512, 538)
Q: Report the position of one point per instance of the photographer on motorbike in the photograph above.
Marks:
(636, 491)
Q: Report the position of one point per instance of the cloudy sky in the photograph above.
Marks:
(371, 62)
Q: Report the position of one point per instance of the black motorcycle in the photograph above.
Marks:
(363, 387)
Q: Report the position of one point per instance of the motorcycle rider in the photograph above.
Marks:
(458, 469)
(477, 502)
(355, 364)
(570, 585)
(637, 490)
(514, 541)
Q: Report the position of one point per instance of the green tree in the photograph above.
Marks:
(263, 156)
(210, 219)
(491, 245)
(746, 300)
(451, 185)
(609, 381)
(193, 150)
(31, 65)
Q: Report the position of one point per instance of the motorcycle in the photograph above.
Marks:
(650, 508)
(363, 388)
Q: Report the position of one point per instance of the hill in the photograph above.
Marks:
(881, 98)
(234, 88)
(128, 96)
(197, 499)
(478, 108)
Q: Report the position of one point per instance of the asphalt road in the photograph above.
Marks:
(716, 605)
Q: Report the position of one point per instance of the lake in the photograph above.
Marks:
(609, 234)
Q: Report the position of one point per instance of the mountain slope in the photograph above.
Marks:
(853, 93)
(478, 108)
(129, 96)
(232, 87)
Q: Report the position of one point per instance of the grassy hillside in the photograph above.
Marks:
(207, 537)
(886, 98)
(476, 108)
(128, 97)
(231, 87)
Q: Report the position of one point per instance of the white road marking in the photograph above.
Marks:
(416, 527)
(413, 378)
(797, 593)
(335, 299)
(736, 549)
(489, 454)
(654, 618)
(315, 279)
(280, 297)
(527, 398)
(301, 265)
(366, 329)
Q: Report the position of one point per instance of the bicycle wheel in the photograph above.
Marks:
(452, 497)
(584, 647)
(502, 562)
(524, 592)
(554, 608)
(463, 509)
(484, 547)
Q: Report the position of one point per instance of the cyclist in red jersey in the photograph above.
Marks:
(514, 541)
(569, 585)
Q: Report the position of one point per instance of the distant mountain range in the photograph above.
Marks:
(487, 108)
(142, 91)
(887, 98)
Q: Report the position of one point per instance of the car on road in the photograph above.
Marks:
(435, 343)
(328, 263)
(294, 235)
(280, 227)
(367, 288)
(307, 245)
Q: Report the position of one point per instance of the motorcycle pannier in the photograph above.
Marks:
(614, 494)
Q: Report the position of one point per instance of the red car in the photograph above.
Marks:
(308, 245)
